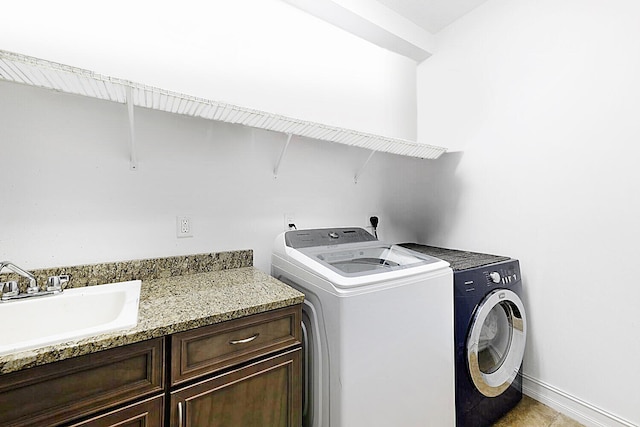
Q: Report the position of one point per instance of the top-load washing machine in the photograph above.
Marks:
(378, 324)
(490, 333)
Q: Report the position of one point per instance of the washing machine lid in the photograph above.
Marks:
(354, 260)
(352, 257)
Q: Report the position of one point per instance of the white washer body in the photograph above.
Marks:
(381, 345)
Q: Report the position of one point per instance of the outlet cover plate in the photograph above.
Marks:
(184, 226)
(289, 218)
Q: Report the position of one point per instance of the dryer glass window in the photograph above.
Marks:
(496, 342)
(495, 339)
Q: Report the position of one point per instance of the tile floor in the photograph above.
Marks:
(531, 413)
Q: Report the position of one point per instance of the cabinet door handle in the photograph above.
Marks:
(180, 414)
(244, 341)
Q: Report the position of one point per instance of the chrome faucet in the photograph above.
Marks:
(33, 286)
(11, 291)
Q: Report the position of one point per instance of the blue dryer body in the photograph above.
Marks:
(490, 333)
(473, 409)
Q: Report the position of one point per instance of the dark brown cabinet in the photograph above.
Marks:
(148, 413)
(242, 372)
(251, 369)
(54, 394)
(266, 393)
(210, 349)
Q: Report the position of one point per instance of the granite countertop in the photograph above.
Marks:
(174, 304)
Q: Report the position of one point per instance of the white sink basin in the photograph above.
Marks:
(75, 313)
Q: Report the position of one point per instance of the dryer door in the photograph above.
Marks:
(496, 341)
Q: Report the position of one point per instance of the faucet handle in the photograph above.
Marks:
(54, 283)
(9, 289)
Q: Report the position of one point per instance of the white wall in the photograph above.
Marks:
(544, 99)
(68, 196)
(262, 54)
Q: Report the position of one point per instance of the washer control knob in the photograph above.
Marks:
(495, 277)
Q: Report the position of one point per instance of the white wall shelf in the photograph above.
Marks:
(64, 78)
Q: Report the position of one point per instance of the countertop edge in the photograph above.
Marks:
(265, 294)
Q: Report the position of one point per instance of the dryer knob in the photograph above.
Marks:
(495, 277)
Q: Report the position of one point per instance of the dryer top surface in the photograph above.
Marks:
(459, 260)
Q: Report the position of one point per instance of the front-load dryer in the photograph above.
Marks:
(490, 333)
(378, 323)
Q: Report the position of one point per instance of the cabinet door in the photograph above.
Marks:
(148, 413)
(53, 394)
(265, 393)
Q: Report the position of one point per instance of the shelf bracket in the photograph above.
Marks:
(359, 173)
(133, 159)
(284, 150)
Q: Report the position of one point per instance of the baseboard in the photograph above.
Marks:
(571, 406)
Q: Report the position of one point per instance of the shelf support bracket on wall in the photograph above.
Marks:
(284, 150)
(359, 173)
(133, 159)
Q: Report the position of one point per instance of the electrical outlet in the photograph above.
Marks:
(184, 226)
(289, 219)
(369, 225)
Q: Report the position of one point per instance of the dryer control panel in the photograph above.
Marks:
(500, 276)
(481, 279)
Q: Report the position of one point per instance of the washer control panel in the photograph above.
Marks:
(326, 236)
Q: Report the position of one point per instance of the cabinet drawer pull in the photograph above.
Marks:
(180, 414)
(244, 341)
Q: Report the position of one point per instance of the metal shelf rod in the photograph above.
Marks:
(359, 173)
(133, 159)
(284, 150)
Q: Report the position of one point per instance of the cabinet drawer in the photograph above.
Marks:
(51, 394)
(212, 348)
(148, 413)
